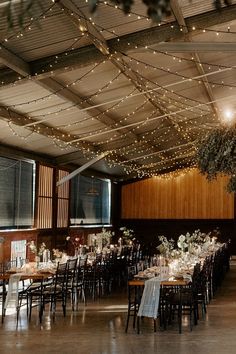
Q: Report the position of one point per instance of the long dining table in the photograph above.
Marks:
(39, 276)
(149, 296)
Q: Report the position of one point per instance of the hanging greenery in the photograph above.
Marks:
(156, 9)
(25, 10)
(216, 154)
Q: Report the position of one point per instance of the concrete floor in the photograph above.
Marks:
(98, 328)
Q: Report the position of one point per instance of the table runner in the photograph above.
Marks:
(150, 298)
(13, 289)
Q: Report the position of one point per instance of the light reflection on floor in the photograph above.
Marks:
(99, 328)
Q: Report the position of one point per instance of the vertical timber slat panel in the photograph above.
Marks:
(63, 201)
(44, 212)
(189, 196)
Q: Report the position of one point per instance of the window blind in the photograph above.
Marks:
(16, 193)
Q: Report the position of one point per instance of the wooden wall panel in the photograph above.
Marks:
(62, 213)
(189, 196)
(28, 235)
(63, 201)
(45, 194)
(63, 189)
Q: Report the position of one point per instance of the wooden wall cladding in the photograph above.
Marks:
(63, 201)
(189, 196)
(45, 193)
(28, 235)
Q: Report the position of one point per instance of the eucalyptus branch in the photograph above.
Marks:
(216, 154)
(156, 9)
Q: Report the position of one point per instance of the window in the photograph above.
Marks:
(90, 200)
(17, 193)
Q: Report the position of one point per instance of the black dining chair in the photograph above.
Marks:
(71, 271)
(183, 301)
(50, 293)
(79, 283)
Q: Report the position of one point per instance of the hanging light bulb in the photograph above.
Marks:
(92, 191)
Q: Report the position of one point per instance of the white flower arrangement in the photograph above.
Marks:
(127, 234)
(56, 253)
(101, 239)
(175, 254)
(182, 242)
(166, 245)
(33, 248)
(193, 242)
(197, 237)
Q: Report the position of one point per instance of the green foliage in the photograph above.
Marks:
(156, 9)
(231, 186)
(217, 155)
(25, 9)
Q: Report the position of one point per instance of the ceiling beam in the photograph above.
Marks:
(140, 85)
(71, 97)
(82, 57)
(54, 86)
(123, 66)
(50, 132)
(101, 44)
(14, 62)
(186, 47)
(83, 24)
(10, 151)
(68, 158)
(177, 11)
(43, 129)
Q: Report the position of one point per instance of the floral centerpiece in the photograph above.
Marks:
(166, 246)
(72, 245)
(56, 253)
(193, 243)
(182, 242)
(37, 251)
(102, 238)
(127, 236)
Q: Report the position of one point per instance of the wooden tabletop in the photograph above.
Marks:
(171, 282)
(25, 276)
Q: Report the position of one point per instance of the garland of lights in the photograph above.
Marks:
(222, 84)
(141, 16)
(142, 123)
(48, 96)
(156, 9)
(26, 12)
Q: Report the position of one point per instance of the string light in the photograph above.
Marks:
(181, 28)
(32, 21)
(56, 92)
(56, 140)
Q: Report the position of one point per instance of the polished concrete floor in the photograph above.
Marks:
(98, 328)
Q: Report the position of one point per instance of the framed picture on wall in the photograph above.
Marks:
(18, 251)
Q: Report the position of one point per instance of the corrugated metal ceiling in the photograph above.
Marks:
(141, 105)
